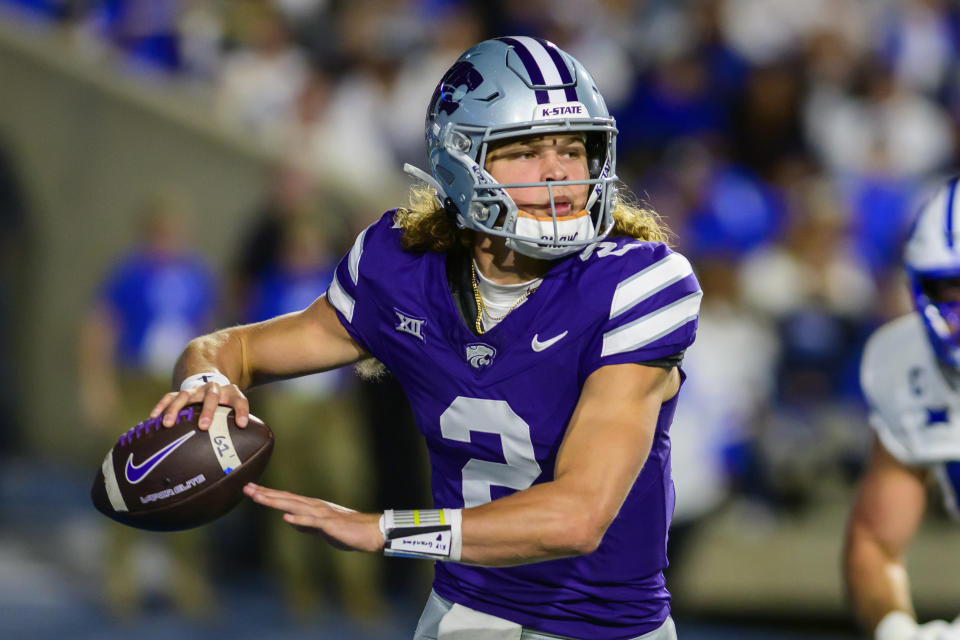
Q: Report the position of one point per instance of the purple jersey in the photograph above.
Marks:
(494, 409)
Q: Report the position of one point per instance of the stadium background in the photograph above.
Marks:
(787, 144)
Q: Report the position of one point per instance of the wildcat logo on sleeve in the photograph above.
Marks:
(410, 324)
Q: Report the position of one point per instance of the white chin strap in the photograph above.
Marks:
(543, 236)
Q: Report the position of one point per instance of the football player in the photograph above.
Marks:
(910, 374)
(537, 323)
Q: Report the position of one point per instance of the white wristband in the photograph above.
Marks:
(423, 533)
(200, 379)
(896, 625)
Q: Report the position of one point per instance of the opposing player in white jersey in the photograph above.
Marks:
(910, 375)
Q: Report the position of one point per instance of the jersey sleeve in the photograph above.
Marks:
(878, 393)
(651, 310)
(352, 292)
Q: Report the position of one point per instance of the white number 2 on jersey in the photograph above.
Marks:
(491, 416)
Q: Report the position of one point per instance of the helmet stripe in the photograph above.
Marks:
(549, 70)
(565, 76)
(530, 64)
(951, 192)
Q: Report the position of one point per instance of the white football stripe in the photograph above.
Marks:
(340, 299)
(644, 284)
(551, 75)
(652, 326)
(221, 441)
(353, 262)
(110, 483)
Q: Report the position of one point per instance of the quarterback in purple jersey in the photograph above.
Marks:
(537, 323)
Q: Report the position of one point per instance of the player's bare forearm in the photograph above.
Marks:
(286, 346)
(294, 344)
(545, 522)
(299, 343)
(876, 580)
(606, 445)
(603, 451)
(888, 509)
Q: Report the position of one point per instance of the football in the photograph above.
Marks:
(166, 479)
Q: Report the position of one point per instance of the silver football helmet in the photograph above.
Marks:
(932, 262)
(507, 88)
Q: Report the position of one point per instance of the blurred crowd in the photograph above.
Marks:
(786, 144)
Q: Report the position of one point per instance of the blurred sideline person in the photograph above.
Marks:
(537, 323)
(909, 374)
(323, 443)
(14, 236)
(291, 194)
(150, 304)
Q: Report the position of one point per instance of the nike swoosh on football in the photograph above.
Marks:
(137, 472)
(540, 346)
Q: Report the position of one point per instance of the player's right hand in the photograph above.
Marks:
(936, 630)
(900, 626)
(211, 394)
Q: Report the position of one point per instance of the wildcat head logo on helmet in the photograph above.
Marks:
(450, 91)
(507, 88)
(932, 263)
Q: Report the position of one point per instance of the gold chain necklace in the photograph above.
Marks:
(482, 308)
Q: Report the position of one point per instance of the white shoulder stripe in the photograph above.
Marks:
(221, 441)
(647, 282)
(340, 299)
(355, 253)
(652, 326)
(551, 75)
(110, 484)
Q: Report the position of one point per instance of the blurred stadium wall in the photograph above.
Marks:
(89, 147)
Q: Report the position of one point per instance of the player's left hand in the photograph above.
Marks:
(342, 527)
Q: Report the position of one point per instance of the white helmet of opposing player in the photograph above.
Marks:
(932, 263)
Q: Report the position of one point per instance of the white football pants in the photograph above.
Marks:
(444, 620)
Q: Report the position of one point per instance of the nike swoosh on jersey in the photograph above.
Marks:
(137, 472)
(536, 345)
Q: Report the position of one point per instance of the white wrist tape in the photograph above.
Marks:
(423, 533)
(200, 379)
(896, 625)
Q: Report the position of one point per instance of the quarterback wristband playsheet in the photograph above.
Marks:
(422, 533)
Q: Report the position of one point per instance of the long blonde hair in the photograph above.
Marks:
(427, 227)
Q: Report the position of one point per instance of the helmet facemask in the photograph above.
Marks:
(490, 208)
(937, 299)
